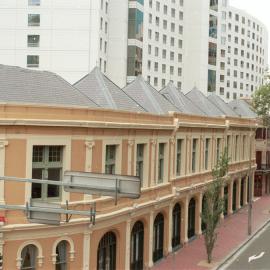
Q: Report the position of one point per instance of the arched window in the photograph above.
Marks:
(203, 225)
(234, 196)
(158, 237)
(191, 218)
(29, 257)
(136, 246)
(61, 255)
(176, 226)
(106, 257)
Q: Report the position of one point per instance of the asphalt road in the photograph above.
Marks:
(258, 245)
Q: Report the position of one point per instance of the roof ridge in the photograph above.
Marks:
(106, 78)
(104, 88)
(150, 95)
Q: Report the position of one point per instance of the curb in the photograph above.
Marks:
(236, 250)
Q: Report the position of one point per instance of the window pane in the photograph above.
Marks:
(36, 188)
(38, 154)
(213, 26)
(161, 162)
(55, 154)
(139, 163)
(33, 19)
(110, 159)
(53, 174)
(33, 40)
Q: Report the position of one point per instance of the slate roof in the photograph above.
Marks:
(222, 106)
(241, 107)
(179, 100)
(20, 85)
(105, 93)
(148, 97)
(201, 101)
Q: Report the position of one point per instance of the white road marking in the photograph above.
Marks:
(256, 257)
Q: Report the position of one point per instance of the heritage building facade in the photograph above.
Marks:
(173, 154)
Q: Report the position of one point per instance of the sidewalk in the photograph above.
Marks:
(232, 232)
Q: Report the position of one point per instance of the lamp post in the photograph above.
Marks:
(250, 185)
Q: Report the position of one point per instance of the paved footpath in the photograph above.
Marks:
(232, 232)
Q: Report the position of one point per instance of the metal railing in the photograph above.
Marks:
(263, 167)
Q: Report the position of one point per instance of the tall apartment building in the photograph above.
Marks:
(247, 54)
(67, 37)
(206, 44)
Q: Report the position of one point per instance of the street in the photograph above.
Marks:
(255, 255)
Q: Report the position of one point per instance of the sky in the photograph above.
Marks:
(259, 9)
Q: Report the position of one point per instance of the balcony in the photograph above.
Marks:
(263, 167)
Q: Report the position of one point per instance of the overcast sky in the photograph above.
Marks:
(258, 8)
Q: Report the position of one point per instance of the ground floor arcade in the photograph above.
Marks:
(128, 240)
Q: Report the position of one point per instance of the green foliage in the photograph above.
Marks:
(261, 103)
(214, 204)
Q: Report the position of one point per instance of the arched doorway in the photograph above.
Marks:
(203, 225)
(176, 226)
(61, 255)
(191, 218)
(242, 191)
(158, 237)
(106, 257)
(234, 196)
(29, 257)
(136, 246)
(225, 209)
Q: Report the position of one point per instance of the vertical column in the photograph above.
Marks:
(230, 197)
(245, 190)
(130, 148)
(150, 246)
(3, 145)
(86, 249)
(170, 228)
(127, 262)
(184, 222)
(88, 161)
(198, 224)
(153, 161)
(238, 193)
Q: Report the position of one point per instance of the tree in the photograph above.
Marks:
(261, 103)
(214, 203)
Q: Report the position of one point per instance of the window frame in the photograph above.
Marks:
(32, 65)
(44, 166)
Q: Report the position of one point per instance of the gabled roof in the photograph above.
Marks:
(20, 85)
(241, 107)
(179, 100)
(201, 101)
(105, 93)
(222, 106)
(148, 97)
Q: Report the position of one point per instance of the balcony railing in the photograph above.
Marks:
(263, 167)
